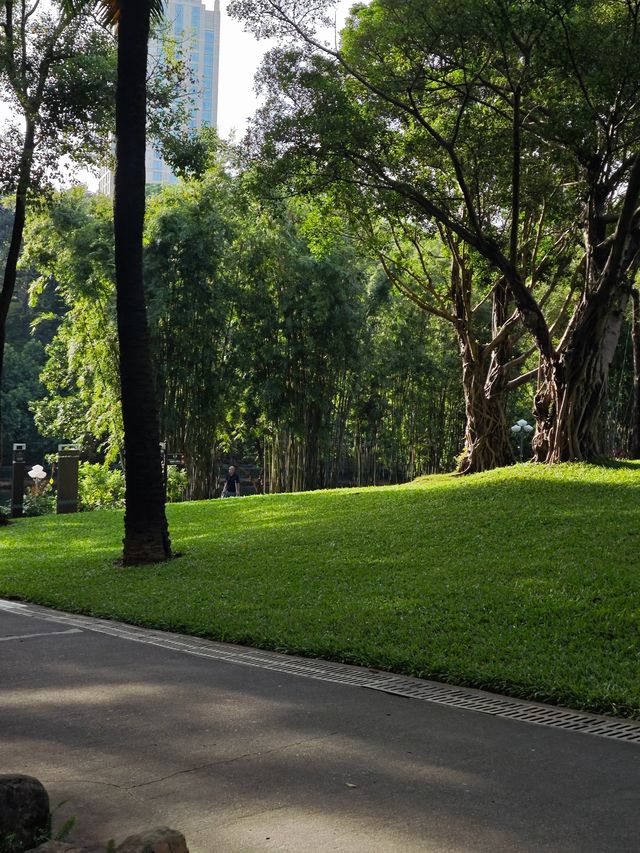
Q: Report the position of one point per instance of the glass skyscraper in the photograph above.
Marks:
(197, 32)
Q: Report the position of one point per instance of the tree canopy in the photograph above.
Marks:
(496, 122)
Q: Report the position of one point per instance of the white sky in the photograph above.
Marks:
(240, 56)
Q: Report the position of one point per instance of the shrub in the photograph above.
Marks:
(100, 487)
(39, 500)
(177, 482)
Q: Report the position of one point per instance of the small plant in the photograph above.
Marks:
(10, 844)
(63, 833)
(100, 487)
(39, 500)
(177, 484)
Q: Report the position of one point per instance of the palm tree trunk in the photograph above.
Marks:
(146, 537)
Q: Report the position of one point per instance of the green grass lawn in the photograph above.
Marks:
(524, 580)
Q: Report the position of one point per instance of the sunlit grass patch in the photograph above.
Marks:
(524, 580)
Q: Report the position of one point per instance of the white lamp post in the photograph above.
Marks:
(37, 474)
(520, 429)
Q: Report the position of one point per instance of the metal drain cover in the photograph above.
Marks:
(386, 682)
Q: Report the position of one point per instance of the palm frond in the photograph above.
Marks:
(157, 10)
(109, 10)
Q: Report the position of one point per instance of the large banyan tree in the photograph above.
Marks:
(512, 127)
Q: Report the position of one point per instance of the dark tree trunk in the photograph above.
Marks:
(146, 537)
(15, 244)
(569, 400)
(635, 338)
(484, 379)
(487, 442)
(574, 377)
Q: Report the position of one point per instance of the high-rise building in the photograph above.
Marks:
(196, 30)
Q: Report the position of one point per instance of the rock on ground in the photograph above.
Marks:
(158, 840)
(24, 811)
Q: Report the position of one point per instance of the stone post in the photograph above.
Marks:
(17, 480)
(67, 494)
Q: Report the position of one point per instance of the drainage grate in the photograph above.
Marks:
(412, 688)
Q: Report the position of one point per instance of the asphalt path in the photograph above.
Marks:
(129, 735)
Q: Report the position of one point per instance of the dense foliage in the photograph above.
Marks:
(272, 341)
(278, 341)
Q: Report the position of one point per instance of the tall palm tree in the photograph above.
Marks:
(146, 536)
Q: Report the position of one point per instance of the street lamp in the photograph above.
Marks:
(520, 429)
(37, 474)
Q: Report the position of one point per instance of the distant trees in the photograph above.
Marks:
(70, 246)
(306, 313)
(266, 326)
(499, 125)
(194, 286)
(270, 338)
(56, 74)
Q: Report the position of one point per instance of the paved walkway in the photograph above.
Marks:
(244, 758)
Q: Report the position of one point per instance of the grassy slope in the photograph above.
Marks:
(523, 580)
